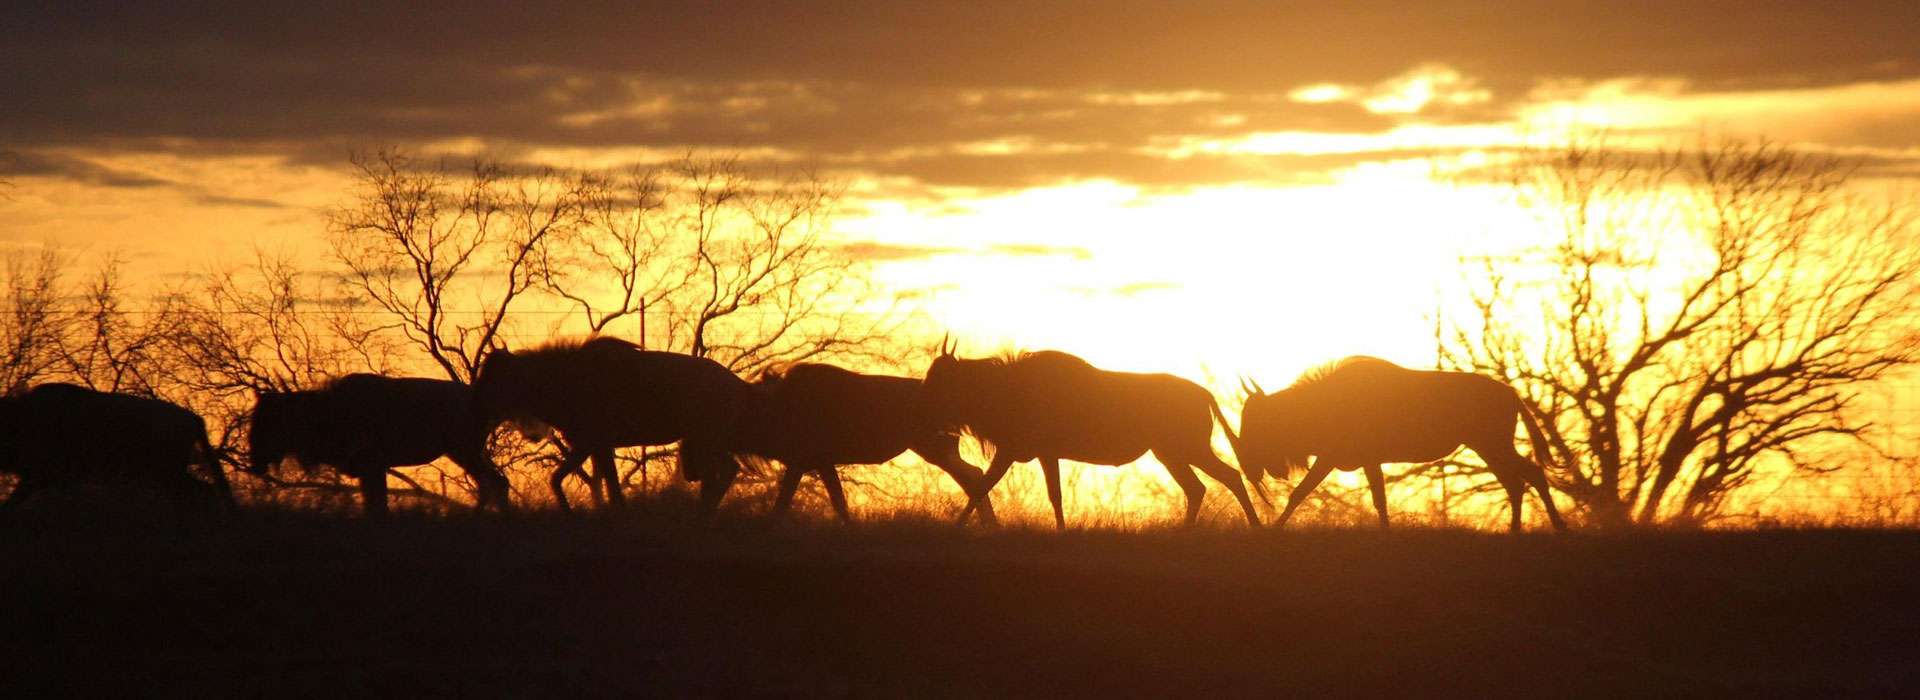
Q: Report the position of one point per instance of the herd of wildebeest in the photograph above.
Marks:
(604, 393)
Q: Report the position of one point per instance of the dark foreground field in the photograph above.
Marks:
(656, 604)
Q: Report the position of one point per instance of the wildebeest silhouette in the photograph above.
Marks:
(604, 393)
(813, 417)
(364, 424)
(56, 435)
(1362, 412)
(1051, 406)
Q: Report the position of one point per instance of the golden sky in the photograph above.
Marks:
(1207, 188)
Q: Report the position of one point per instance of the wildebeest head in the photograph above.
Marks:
(1266, 442)
(500, 395)
(949, 384)
(770, 377)
(269, 431)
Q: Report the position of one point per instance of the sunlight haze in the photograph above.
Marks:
(1233, 193)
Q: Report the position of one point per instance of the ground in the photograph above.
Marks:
(652, 603)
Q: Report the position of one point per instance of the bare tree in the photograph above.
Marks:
(110, 347)
(34, 325)
(711, 260)
(446, 257)
(614, 263)
(699, 256)
(272, 326)
(764, 288)
(704, 257)
(265, 326)
(1697, 317)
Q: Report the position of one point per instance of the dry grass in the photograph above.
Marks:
(657, 601)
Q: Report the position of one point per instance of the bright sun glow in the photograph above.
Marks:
(1214, 281)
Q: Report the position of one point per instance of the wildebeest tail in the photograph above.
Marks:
(753, 466)
(1542, 452)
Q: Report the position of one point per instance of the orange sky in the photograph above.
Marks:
(1231, 188)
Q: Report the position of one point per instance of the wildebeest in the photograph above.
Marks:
(1051, 406)
(1361, 412)
(813, 417)
(364, 424)
(606, 393)
(57, 435)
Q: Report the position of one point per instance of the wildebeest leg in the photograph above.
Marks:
(181, 486)
(1546, 497)
(1538, 477)
(1050, 467)
(1516, 494)
(1313, 477)
(713, 488)
(487, 477)
(1260, 489)
(197, 496)
(716, 467)
(1500, 455)
(1230, 478)
(1377, 483)
(789, 483)
(947, 458)
(373, 492)
(219, 476)
(830, 477)
(1189, 484)
(978, 493)
(608, 471)
(568, 465)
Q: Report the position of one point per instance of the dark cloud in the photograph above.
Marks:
(31, 164)
(893, 88)
(53, 165)
(1146, 44)
(219, 200)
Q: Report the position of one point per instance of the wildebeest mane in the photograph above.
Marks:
(1320, 373)
(1012, 358)
(798, 370)
(567, 345)
(328, 384)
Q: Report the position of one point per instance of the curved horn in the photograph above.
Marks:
(1250, 387)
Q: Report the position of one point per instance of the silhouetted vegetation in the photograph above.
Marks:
(1694, 317)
